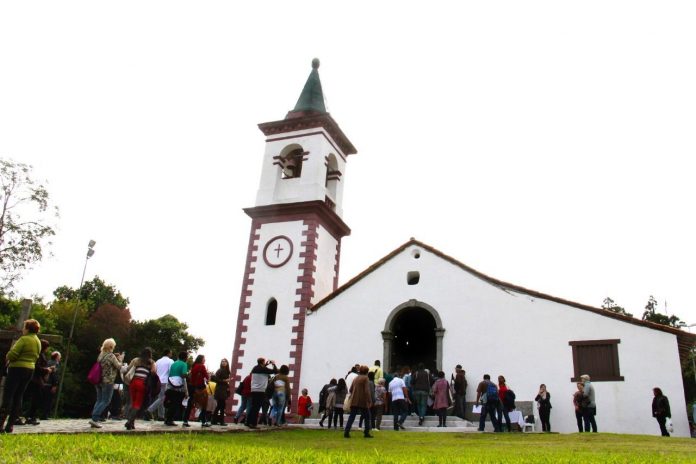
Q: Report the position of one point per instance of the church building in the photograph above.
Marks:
(417, 304)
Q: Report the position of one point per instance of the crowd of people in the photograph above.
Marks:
(168, 390)
(165, 389)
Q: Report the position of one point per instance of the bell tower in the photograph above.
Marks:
(296, 230)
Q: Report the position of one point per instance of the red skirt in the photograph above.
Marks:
(136, 389)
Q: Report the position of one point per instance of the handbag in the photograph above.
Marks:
(128, 376)
(95, 374)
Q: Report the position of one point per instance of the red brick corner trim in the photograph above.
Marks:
(305, 292)
(243, 316)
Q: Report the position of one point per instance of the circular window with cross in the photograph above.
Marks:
(277, 251)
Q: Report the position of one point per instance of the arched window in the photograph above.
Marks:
(291, 163)
(271, 310)
(332, 175)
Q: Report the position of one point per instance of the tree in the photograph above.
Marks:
(167, 332)
(610, 305)
(25, 222)
(651, 314)
(108, 321)
(93, 294)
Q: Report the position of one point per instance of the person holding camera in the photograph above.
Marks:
(259, 383)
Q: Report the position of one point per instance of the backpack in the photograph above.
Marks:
(331, 399)
(95, 374)
(491, 392)
(509, 399)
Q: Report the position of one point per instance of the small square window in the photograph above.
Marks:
(413, 277)
(597, 358)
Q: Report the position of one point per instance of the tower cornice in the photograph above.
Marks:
(310, 121)
(283, 212)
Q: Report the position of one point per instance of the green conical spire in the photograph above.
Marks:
(312, 98)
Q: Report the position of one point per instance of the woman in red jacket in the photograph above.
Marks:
(504, 405)
(198, 380)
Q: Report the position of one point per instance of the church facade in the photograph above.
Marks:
(419, 305)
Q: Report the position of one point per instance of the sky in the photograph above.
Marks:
(546, 144)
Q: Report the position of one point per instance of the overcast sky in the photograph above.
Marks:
(547, 144)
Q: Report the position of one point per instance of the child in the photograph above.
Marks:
(304, 406)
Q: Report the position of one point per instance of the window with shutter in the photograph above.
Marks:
(597, 358)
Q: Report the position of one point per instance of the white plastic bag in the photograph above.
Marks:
(669, 425)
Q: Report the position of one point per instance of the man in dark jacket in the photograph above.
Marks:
(459, 384)
(259, 382)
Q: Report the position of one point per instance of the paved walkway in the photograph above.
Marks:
(111, 426)
(71, 426)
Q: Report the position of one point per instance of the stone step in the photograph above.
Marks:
(387, 428)
(410, 422)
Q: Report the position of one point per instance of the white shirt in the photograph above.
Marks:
(163, 364)
(396, 389)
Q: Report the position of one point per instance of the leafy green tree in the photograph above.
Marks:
(93, 294)
(25, 222)
(166, 332)
(651, 314)
(610, 305)
(9, 312)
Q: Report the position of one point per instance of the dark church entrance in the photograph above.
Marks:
(414, 339)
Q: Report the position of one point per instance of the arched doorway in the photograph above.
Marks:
(413, 334)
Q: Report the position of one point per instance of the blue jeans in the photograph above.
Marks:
(278, 406)
(421, 402)
(158, 404)
(104, 393)
(490, 408)
(245, 405)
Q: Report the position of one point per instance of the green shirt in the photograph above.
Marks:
(178, 369)
(25, 352)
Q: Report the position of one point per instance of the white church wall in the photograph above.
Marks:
(325, 264)
(272, 341)
(496, 331)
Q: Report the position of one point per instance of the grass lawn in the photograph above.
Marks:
(322, 446)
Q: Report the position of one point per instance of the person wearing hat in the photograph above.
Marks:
(458, 381)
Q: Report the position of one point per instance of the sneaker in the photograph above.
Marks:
(94, 424)
(369, 436)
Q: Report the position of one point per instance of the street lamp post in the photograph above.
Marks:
(90, 253)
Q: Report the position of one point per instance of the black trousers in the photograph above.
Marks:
(663, 429)
(173, 408)
(16, 383)
(256, 403)
(588, 416)
(545, 416)
(578, 418)
(219, 412)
